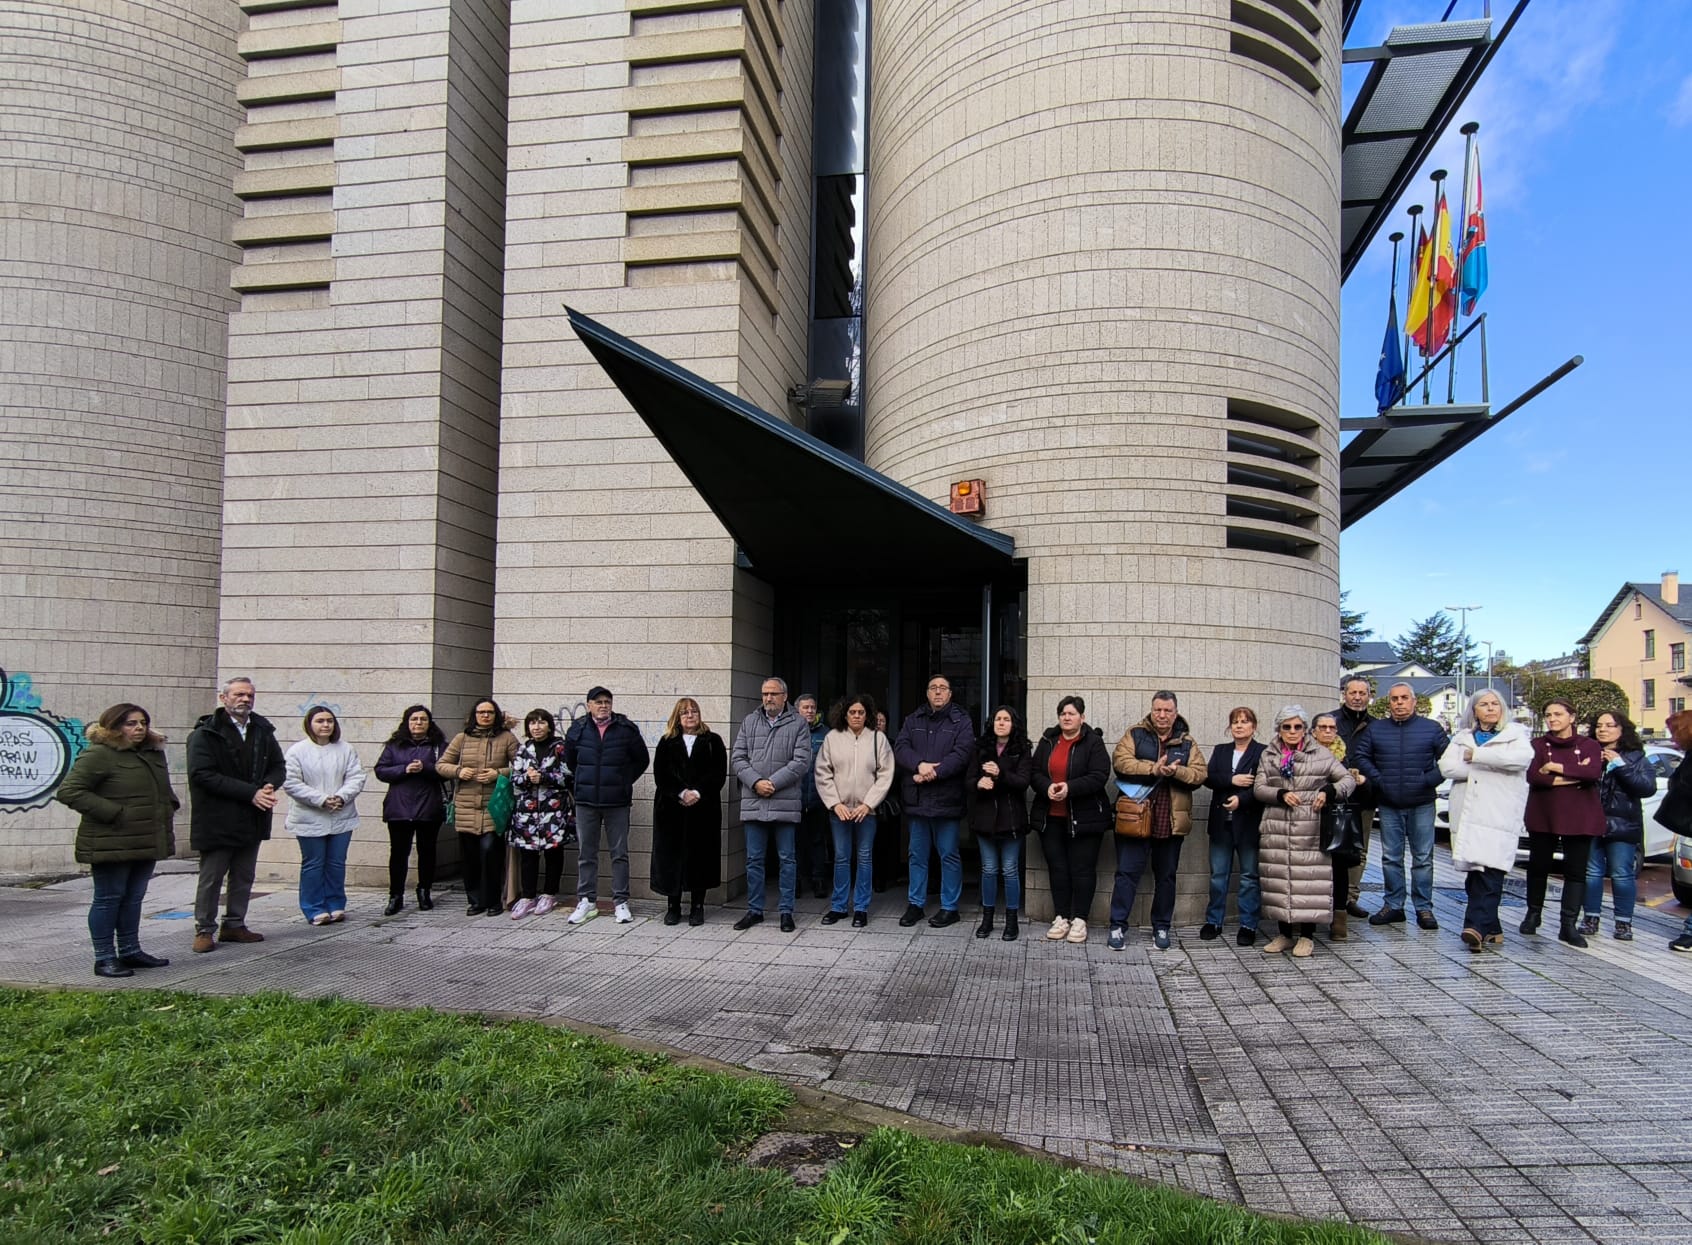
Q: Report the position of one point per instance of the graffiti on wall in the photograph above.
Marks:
(36, 746)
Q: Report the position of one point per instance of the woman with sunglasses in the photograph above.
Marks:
(1296, 779)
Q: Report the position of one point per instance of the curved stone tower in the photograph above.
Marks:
(1104, 278)
(117, 161)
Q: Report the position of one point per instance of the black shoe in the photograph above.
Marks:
(943, 918)
(749, 920)
(913, 914)
(986, 926)
(860, 919)
(833, 918)
(1425, 919)
(819, 889)
(140, 959)
(111, 967)
(1246, 937)
(696, 915)
(1388, 916)
(395, 903)
(1011, 930)
(1530, 922)
(473, 909)
(1569, 931)
(787, 926)
(425, 903)
(1210, 933)
(1357, 910)
(496, 909)
(1682, 943)
(672, 914)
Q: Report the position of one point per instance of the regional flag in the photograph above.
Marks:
(1472, 282)
(1389, 376)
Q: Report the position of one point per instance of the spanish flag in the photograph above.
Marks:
(1433, 302)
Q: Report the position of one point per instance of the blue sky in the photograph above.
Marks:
(1586, 141)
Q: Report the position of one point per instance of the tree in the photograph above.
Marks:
(1434, 642)
(1590, 697)
(1352, 630)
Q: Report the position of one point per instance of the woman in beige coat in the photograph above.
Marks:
(854, 774)
(1296, 779)
(474, 760)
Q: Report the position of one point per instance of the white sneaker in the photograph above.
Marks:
(586, 910)
(1059, 929)
(522, 908)
(1077, 931)
(545, 904)
(624, 916)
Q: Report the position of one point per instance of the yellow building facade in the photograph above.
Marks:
(1640, 643)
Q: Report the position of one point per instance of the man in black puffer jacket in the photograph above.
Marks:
(1399, 755)
(606, 753)
(933, 751)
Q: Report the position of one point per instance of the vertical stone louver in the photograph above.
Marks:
(115, 212)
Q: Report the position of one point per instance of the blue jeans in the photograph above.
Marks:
(323, 873)
(1001, 858)
(757, 844)
(940, 833)
(119, 890)
(1228, 843)
(1622, 862)
(853, 841)
(1415, 826)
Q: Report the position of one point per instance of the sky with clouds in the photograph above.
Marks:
(1586, 142)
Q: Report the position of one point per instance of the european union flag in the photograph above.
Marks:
(1389, 377)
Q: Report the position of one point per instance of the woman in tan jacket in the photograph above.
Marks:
(1296, 779)
(474, 760)
(854, 773)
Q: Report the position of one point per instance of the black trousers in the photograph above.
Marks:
(814, 848)
(528, 871)
(1576, 849)
(1073, 863)
(484, 869)
(1301, 929)
(400, 836)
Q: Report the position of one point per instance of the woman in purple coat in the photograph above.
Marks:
(1563, 809)
(413, 807)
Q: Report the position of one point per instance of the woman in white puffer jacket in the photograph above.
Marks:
(1487, 762)
(323, 782)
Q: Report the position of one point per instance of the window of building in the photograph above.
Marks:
(1650, 697)
(1650, 646)
(1638, 608)
(1677, 657)
(1677, 704)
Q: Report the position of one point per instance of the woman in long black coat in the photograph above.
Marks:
(689, 768)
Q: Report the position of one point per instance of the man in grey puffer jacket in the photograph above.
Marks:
(771, 756)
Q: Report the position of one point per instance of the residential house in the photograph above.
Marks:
(1639, 642)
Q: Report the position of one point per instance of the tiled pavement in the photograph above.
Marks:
(1539, 1094)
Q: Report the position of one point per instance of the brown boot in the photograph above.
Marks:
(204, 943)
(1336, 927)
(239, 933)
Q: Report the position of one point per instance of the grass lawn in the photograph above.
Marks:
(145, 1117)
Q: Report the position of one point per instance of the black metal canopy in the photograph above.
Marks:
(801, 511)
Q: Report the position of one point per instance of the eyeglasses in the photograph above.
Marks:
(1292, 726)
(1326, 726)
(484, 713)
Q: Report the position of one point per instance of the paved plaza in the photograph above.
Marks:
(1539, 1094)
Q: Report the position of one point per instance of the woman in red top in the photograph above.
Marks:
(1563, 810)
(1072, 810)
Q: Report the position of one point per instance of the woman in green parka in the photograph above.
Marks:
(121, 786)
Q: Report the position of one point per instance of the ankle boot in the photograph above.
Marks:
(1337, 926)
(395, 903)
(696, 914)
(1010, 926)
(424, 902)
(1569, 932)
(986, 926)
(1530, 923)
(672, 914)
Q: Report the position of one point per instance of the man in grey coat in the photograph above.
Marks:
(771, 757)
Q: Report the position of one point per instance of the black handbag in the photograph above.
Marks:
(1342, 836)
(1675, 811)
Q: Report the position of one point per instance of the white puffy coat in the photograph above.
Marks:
(316, 772)
(1488, 795)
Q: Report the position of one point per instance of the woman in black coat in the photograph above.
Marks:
(999, 775)
(689, 769)
(1628, 779)
(1234, 814)
(415, 804)
(1074, 804)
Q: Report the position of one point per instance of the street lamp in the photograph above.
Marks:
(1463, 645)
(1488, 644)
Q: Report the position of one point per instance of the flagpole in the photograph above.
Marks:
(1438, 179)
(1468, 132)
(1410, 284)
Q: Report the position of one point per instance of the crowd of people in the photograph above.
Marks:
(1289, 817)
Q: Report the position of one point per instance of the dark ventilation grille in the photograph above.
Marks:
(1272, 480)
(1279, 34)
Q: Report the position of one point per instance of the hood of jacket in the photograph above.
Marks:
(98, 734)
